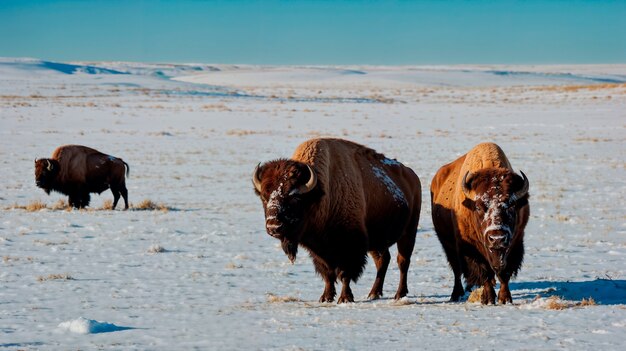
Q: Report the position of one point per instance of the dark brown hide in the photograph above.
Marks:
(355, 201)
(77, 171)
(480, 209)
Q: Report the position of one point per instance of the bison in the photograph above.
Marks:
(77, 171)
(480, 209)
(339, 200)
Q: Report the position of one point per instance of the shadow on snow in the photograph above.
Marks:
(603, 291)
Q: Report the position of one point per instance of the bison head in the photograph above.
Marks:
(496, 204)
(46, 170)
(287, 190)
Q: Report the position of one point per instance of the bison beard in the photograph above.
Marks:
(339, 200)
(290, 248)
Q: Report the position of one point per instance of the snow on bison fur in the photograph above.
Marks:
(339, 200)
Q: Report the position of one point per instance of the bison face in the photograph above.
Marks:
(286, 191)
(46, 171)
(499, 196)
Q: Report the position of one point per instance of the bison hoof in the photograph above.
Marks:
(457, 294)
(345, 299)
(504, 297)
(400, 295)
(374, 296)
(488, 296)
(455, 297)
(327, 298)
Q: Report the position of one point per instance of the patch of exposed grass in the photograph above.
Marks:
(9, 259)
(61, 205)
(64, 276)
(107, 205)
(149, 205)
(231, 265)
(557, 303)
(475, 295)
(271, 298)
(38, 205)
(50, 243)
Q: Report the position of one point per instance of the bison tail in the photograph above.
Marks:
(127, 167)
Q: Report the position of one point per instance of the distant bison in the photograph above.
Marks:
(339, 200)
(76, 171)
(480, 209)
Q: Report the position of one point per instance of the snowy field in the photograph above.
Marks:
(201, 273)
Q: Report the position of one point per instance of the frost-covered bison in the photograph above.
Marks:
(339, 200)
(480, 209)
(77, 171)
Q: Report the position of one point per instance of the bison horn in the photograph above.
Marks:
(255, 178)
(524, 190)
(49, 167)
(465, 184)
(310, 184)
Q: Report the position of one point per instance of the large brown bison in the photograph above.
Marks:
(76, 171)
(480, 209)
(339, 200)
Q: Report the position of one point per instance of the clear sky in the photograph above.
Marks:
(316, 32)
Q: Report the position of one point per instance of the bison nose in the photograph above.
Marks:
(272, 229)
(498, 241)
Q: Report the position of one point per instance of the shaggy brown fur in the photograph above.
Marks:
(482, 236)
(361, 202)
(76, 171)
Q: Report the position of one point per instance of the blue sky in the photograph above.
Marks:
(316, 32)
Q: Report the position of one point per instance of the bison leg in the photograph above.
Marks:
(504, 294)
(116, 197)
(488, 296)
(329, 277)
(458, 291)
(85, 198)
(72, 201)
(124, 193)
(381, 259)
(346, 292)
(405, 249)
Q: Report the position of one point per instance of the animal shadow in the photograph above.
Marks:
(603, 291)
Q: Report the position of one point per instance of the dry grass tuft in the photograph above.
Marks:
(65, 276)
(271, 298)
(231, 265)
(475, 295)
(36, 206)
(149, 205)
(557, 303)
(576, 88)
(588, 302)
(61, 205)
(107, 205)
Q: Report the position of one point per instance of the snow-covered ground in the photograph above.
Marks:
(203, 274)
